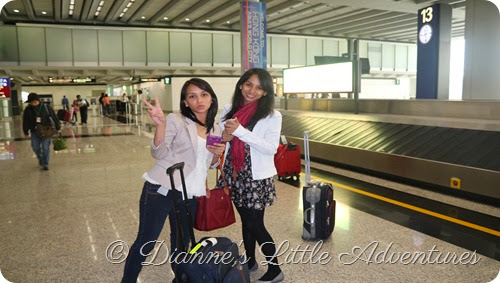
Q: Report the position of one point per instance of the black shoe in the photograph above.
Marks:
(46, 167)
(277, 278)
(253, 267)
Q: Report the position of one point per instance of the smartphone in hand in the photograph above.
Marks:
(211, 140)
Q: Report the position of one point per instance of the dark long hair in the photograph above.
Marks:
(212, 110)
(265, 104)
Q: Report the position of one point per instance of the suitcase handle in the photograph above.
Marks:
(311, 221)
(180, 235)
(177, 166)
(306, 219)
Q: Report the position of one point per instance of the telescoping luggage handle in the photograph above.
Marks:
(180, 235)
(307, 158)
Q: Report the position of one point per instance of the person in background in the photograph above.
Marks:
(124, 103)
(106, 104)
(74, 107)
(178, 137)
(252, 127)
(101, 105)
(35, 115)
(65, 103)
(83, 106)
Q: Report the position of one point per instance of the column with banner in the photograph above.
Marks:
(433, 55)
(4, 87)
(253, 35)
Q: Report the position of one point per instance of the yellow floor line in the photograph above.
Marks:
(412, 207)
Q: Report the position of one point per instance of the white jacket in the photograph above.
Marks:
(263, 141)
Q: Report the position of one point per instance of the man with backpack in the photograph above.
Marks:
(41, 122)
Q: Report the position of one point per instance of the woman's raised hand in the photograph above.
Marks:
(155, 112)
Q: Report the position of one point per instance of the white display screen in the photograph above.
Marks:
(317, 79)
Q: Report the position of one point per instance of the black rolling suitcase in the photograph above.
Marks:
(212, 259)
(318, 203)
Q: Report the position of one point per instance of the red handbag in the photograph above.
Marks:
(215, 210)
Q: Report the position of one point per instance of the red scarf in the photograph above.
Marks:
(238, 147)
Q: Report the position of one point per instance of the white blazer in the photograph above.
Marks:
(263, 141)
(179, 144)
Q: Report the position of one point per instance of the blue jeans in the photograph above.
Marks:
(153, 209)
(41, 147)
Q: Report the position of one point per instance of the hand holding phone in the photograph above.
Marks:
(211, 140)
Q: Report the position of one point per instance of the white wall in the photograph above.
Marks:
(151, 90)
(70, 91)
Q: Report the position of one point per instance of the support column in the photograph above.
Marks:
(253, 35)
(482, 56)
(433, 59)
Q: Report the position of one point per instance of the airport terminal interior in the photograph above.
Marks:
(411, 146)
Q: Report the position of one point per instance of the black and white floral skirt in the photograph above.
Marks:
(245, 191)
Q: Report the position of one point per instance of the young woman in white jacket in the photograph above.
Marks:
(178, 137)
(252, 128)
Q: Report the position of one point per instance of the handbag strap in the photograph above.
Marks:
(222, 175)
(52, 123)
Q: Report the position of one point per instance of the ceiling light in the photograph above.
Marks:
(125, 10)
(129, 4)
(45, 13)
(96, 13)
(121, 15)
(207, 21)
(187, 19)
(143, 17)
(99, 8)
(70, 12)
(72, 2)
(165, 18)
(16, 11)
(228, 22)
(101, 3)
(71, 6)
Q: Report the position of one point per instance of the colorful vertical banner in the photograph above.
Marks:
(253, 35)
(4, 87)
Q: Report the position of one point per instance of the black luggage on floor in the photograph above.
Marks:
(319, 211)
(318, 203)
(212, 259)
(60, 114)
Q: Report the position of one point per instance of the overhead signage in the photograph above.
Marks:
(71, 80)
(319, 79)
(150, 80)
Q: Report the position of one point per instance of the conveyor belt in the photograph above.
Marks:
(472, 148)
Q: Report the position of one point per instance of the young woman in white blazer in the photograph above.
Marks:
(252, 128)
(179, 137)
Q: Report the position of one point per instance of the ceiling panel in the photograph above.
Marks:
(393, 20)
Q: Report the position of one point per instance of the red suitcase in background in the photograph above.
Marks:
(67, 116)
(287, 161)
(64, 115)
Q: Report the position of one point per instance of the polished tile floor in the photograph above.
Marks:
(70, 223)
